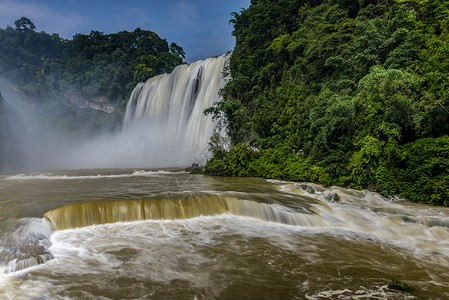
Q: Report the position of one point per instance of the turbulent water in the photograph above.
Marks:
(141, 234)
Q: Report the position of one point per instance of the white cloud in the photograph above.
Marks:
(43, 16)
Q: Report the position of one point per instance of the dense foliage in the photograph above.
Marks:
(344, 92)
(51, 71)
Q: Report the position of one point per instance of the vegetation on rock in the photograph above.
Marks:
(399, 285)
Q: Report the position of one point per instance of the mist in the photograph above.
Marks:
(29, 141)
(164, 127)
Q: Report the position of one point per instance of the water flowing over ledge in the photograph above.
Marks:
(94, 213)
(170, 108)
(164, 126)
(28, 244)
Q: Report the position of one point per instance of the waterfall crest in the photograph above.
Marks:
(172, 106)
(103, 212)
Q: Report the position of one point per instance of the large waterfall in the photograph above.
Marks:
(164, 126)
(168, 109)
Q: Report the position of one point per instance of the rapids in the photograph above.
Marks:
(149, 234)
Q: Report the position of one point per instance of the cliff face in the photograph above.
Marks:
(100, 103)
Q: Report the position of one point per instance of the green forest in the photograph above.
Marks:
(49, 70)
(352, 93)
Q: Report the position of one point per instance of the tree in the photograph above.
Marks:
(175, 49)
(24, 24)
(52, 71)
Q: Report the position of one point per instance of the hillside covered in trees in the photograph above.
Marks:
(352, 93)
(58, 76)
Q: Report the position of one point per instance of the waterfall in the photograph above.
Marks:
(164, 126)
(170, 107)
(103, 212)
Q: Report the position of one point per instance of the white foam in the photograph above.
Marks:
(161, 251)
(422, 230)
(52, 176)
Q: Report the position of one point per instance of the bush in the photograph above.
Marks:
(278, 163)
(216, 167)
(425, 171)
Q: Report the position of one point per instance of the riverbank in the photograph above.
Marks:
(417, 171)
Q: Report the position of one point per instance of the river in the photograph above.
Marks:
(151, 234)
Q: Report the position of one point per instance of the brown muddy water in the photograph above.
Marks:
(141, 234)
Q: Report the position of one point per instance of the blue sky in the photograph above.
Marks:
(201, 27)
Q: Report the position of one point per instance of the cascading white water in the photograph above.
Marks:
(173, 104)
(164, 126)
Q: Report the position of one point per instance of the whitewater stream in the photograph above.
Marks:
(141, 234)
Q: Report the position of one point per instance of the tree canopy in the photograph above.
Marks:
(23, 24)
(347, 92)
(51, 70)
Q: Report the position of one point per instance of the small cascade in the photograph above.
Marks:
(91, 213)
(273, 213)
(172, 105)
